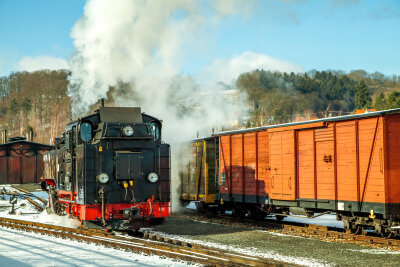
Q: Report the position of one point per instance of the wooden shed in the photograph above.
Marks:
(21, 161)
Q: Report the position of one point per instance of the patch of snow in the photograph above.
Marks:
(327, 220)
(21, 249)
(41, 194)
(376, 251)
(278, 234)
(191, 205)
(29, 213)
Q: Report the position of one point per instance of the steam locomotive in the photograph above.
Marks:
(110, 170)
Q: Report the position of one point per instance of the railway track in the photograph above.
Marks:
(324, 231)
(36, 205)
(311, 230)
(27, 192)
(149, 244)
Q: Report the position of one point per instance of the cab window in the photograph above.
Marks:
(86, 131)
(155, 131)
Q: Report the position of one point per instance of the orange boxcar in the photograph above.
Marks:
(345, 164)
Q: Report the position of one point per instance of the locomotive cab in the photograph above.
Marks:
(110, 169)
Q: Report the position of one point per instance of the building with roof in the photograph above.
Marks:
(21, 161)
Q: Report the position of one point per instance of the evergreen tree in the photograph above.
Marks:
(26, 105)
(14, 106)
(362, 99)
(380, 101)
(393, 100)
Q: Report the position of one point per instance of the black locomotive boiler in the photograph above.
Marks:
(110, 170)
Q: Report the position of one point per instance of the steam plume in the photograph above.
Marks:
(143, 45)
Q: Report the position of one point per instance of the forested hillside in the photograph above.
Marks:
(38, 101)
(276, 97)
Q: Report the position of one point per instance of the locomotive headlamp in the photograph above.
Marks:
(102, 178)
(152, 177)
(127, 131)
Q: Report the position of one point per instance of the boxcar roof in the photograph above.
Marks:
(205, 138)
(331, 119)
(33, 144)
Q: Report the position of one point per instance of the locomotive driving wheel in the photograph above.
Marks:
(58, 208)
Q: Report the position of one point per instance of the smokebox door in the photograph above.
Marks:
(128, 166)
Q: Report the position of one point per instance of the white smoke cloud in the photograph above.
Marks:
(228, 70)
(124, 41)
(41, 63)
(143, 44)
(232, 7)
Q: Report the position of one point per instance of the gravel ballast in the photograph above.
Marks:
(273, 244)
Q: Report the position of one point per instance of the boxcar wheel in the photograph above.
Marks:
(237, 212)
(388, 234)
(354, 229)
(357, 230)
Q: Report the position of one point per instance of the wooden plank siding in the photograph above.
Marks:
(263, 157)
(244, 160)
(352, 160)
(340, 161)
(346, 147)
(325, 160)
(306, 164)
(21, 162)
(392, 155)
(372, 186)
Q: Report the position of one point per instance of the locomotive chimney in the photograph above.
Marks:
(3, 136)
(102, 102)
(29, 135)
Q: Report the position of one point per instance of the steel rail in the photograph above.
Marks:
(37, 206)
(326, 232)
(27, 192)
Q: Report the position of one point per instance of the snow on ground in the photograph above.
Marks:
(29, 213)
(327, 220)
(21, 249)
(376, 251)
(279, 234)
(41, 194)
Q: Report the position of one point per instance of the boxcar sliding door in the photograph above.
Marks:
(282, 167)
(325, 161)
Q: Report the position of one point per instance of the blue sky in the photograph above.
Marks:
(335, 34)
